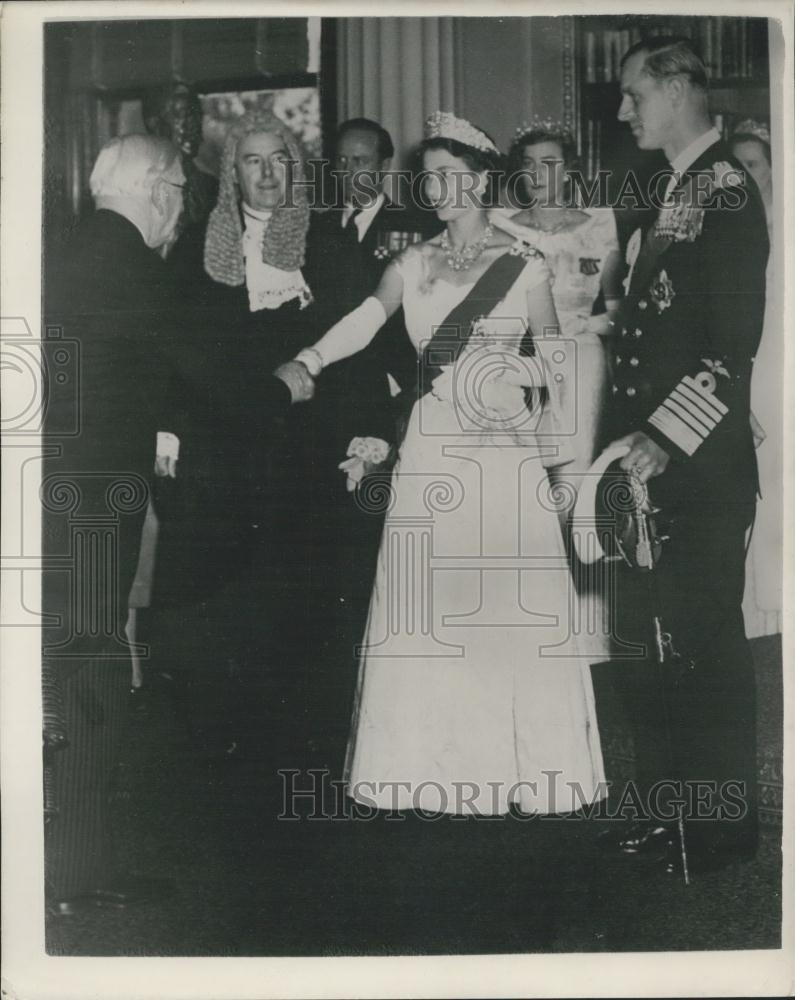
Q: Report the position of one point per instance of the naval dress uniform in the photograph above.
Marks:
(688, 330)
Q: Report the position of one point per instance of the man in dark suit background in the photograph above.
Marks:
(350, 244)
(354, 240)
(689, 328)
(108, 299)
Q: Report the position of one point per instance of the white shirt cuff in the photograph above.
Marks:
(167, 445)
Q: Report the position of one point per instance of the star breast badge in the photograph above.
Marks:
(661, 291)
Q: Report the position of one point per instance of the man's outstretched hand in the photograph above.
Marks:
(297, 379)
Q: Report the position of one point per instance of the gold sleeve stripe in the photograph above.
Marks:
(666, 412)
(700, 403)
(705, 395)
(676, 430)
(696, 420)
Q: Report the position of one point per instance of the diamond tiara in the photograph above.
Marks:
(548, 124)
(445, 125)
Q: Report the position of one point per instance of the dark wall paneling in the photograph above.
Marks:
(219, 48)
(125, 55)
(131, 53)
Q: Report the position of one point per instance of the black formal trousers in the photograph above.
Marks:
(90, 559)
(110, 312)
(79, 840)
(694, 719)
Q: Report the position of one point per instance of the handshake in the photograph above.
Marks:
(299, 374)
(296, 377)
(294, 374)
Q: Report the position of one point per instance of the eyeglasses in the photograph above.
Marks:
(174, 184)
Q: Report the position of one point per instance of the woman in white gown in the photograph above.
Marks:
(581, 250)
(470, 699)
(763, 600)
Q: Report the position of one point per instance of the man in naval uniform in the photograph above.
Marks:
(689, 328)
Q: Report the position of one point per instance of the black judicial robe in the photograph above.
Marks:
(278, 522)
(295, 550)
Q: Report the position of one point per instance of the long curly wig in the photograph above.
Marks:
(284, 242)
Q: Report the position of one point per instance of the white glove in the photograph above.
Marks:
(348, 336)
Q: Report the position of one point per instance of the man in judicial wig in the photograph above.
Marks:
(688, 331)
(108, 305)
(350, 244)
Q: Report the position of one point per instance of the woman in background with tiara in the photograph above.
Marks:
(581, 250)
(750, 143)
(466, 703)
(762, 605)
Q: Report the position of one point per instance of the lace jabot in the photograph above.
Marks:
(268, 287)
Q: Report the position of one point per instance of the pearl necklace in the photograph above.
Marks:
(463, 258)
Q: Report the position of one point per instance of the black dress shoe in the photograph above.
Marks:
(119, 895)
(642, 839)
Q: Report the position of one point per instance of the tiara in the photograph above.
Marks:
(445, 125)
(754, 128)
(554, 126)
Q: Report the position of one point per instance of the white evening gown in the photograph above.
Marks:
(575, 258)
(471, 695)
(763, 599)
